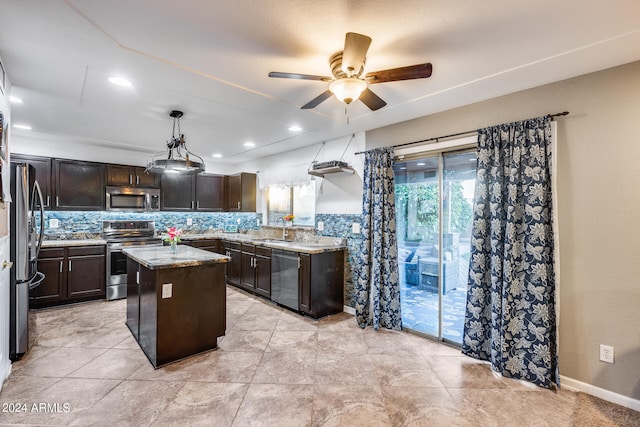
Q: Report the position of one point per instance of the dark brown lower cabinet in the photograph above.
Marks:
(234, 267)
(321, 283)
(256, 269)
(72, 274)
(248, 274)
(262, 265)
(211, 245)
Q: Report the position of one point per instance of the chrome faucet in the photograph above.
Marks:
(284, 230)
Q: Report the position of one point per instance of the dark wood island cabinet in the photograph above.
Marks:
(176, 305)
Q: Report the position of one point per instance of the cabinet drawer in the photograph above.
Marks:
(51, 253)
(232, 245)
(262, 251)
(86, 250)
(248, 248)
(202, 243)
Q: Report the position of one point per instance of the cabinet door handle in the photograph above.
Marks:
(192, 205)
(48, 199)
(60, 266)
(298, 263)
(69, 265)
(57, 201)
(130, 179)
(238, 205)
(137, 179)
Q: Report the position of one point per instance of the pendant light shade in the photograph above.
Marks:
(176, 158)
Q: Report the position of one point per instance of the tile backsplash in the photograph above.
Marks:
(87, 224)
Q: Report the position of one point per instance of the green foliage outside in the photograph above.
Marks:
(422, 198)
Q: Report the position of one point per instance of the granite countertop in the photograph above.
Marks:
(316, 247)
(159, 257)
(320, 245)
(71, 242)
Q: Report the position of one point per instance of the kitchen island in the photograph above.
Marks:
(176, 303)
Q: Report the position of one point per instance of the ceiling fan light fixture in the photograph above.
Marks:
(348, 89)
(176, 159)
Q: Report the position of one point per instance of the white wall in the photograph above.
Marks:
(5, 363)
(336, 193)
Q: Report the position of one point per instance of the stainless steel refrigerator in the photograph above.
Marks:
(26, 239)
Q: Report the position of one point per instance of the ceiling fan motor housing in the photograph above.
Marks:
(335, 62)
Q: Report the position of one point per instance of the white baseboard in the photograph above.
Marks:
(349, 310)
(609, 396)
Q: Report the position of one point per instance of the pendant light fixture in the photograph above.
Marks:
(176, 159)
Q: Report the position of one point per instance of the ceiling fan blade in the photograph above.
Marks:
(354, 53)
(419, 71)
(317, 100)
(371, 100)
(280, 75)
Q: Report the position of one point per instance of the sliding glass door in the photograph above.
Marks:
(434, 202)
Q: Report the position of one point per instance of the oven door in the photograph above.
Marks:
(117, 266)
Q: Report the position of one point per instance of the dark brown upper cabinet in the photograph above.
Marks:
(203, 193)
(176, 192)
(210, 192)
(78, 185)
(131, 176)
(242, 192)
(43, 174)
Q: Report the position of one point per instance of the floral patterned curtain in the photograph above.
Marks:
(377, 287)
(511, 314)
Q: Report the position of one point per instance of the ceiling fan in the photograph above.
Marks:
(347, 83)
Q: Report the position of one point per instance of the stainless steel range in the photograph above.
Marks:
(122, 234)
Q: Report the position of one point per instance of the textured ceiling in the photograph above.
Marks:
(210, 59)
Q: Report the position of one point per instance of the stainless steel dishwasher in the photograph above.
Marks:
(284, 278)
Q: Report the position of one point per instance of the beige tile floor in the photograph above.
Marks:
(273, 368)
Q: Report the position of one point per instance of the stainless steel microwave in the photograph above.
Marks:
(132, 199)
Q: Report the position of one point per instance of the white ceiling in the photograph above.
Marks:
(210, 59)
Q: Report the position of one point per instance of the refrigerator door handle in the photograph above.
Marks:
(40, 203)
(36, 281)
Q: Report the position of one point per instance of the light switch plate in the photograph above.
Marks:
(320, 225)
(189, 221)
(355, 228)
(167, 290)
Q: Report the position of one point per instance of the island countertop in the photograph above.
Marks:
(160, 257)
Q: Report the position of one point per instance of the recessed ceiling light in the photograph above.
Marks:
(22, 126)
(249, 144)
(15, 100)
(403, 168)
(420, 164)
(295, 128)
(216, 155)
(120, 81)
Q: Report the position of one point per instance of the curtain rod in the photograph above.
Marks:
(564, 113)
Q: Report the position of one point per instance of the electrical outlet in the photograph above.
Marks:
(167, 290)
(189, 221)
(320, 226)
(54, 223)
(606, 353)
(355, 228)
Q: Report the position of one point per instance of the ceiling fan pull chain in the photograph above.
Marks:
(346, 113)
